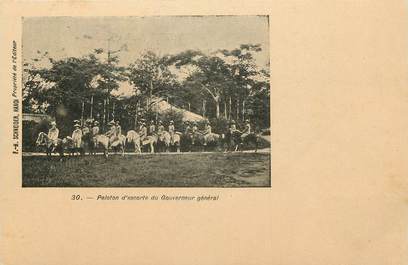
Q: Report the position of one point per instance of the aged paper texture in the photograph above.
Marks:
(327, 186)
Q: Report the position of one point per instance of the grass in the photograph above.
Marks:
(176, 170)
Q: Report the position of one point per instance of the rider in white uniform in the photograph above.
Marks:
(152, 128)
(160, 128)
(247, 129)
(112, 132)
(207, 132)
(95, 128)
(171, 131)
(142, 131)
(118, 129)
(188, 129)
(53, 133)
(194, 131)
(77, 136)
(233, 127)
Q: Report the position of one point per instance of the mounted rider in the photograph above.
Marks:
(233, 127)
(152, 128)
(247, 129)
(118, 129)
(171, 131)
(188, 129)
(95, 128)
(77, 135)
(112, 134)
(53, 133)
(194, 131)
(207, 132)
(160, 128)
(87, 127)
(143, 131)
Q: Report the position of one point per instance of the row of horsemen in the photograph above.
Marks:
(152, 135)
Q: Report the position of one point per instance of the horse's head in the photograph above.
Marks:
(41, 139)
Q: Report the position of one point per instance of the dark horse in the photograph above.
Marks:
(235, 142)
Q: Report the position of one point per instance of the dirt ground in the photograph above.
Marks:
(157, 170)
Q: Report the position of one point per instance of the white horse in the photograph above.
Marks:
(49, 145)
(133, 137)
(165, 138)
(104, 141)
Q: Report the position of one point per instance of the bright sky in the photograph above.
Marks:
(69, 36)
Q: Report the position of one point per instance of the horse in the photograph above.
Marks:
(186, 142)
(133, 137)
(88, 143)
(72, 147)
(166, 141)
(104, 141)
(235, 141)
(50, 146)
(205, 141)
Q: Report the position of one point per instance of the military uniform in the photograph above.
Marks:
(171, 132)
(95, 130)
(152, 129)
(77, 136)
(247, 130)
(188, 130)
(207, 133)
(85, 130)
(118, 130)
(194, 131)
(53, 133)
(160, 129)
(233, 127)
(142, 131)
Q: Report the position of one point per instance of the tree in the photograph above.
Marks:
(151, 76)
(71, 80)
(210, 73)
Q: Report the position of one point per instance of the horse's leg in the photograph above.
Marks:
(151, 147)
(178, 147)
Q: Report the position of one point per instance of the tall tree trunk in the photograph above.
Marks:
(104, 114)
(230, 106)
(243, 110)
(92, 98)
(237, 107)
(107, 109)
(82, 113)
(137, 112)
(225, 110)
(113, 110)
(150, 94)
(204, 108)
(217, 108)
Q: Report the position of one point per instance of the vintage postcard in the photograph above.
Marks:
(161, 101)
(176, 132)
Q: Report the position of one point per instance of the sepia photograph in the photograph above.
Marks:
(163, 101)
